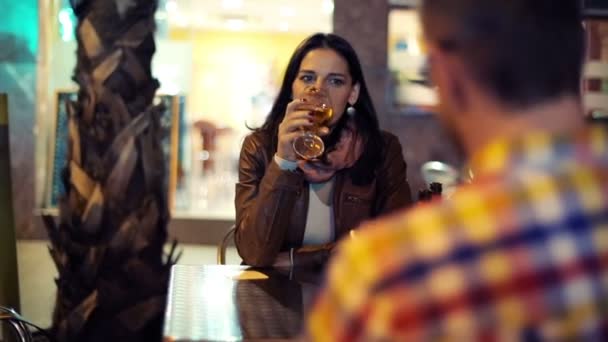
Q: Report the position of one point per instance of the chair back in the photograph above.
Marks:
(15, 326)
(223, 245)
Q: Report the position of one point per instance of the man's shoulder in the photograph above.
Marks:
(425, 228)
(476, 214)
(382, 244)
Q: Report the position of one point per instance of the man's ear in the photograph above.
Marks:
(449, 76)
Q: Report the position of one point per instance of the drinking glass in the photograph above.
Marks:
(309, 145)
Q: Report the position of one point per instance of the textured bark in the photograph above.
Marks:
(108, 245)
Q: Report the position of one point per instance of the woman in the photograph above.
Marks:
(291, 212)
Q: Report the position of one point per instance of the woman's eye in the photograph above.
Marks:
(336, 82)
(306, 78)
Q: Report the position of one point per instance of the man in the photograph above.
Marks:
(522, 252)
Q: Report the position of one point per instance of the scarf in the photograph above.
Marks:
(343, 155)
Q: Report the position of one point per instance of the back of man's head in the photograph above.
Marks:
(524, 52)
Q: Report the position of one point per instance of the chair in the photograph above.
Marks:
(19, 328)
(221, 248)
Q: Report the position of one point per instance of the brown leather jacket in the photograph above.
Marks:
(272, 204)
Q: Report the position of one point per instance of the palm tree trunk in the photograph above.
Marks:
(108, 245)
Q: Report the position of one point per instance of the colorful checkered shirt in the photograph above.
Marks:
(521, 253)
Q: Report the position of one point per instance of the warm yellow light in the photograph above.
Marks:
(232, 4)
(235, 24)
(328, 6)
(171, 6)
(287, 11)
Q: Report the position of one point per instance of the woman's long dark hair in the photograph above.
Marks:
(365, 119)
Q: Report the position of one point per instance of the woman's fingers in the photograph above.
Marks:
(295, 123)
(289, 137)
(322, 131)
(300, 105)
(297, 105)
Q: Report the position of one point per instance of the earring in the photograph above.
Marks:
(351, 111)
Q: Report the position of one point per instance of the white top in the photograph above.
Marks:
(320, 217)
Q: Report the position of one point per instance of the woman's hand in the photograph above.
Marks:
(297, 116)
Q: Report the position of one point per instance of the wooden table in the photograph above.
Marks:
(234, 303)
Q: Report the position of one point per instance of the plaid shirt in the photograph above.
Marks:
(519, 254)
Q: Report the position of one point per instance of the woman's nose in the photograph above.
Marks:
(312, 89)
(318, 87)
(323, 84)
(320, 83)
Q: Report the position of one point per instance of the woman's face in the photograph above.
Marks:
(325, 69)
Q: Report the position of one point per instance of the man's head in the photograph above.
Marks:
(502, 55)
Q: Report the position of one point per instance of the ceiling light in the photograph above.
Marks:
(328, 6)
(179, 20)
(171, 6)
(66, 28)
(235, 24)
(287, 11)
(64, 16)
(232, 4)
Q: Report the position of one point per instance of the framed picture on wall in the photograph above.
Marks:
(595, 8)
(58, 148)
(407, 62)
(595, 82)
(595, 78)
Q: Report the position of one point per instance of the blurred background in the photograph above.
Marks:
(220, 63)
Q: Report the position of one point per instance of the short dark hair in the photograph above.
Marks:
(366, 119)
(525, 52)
